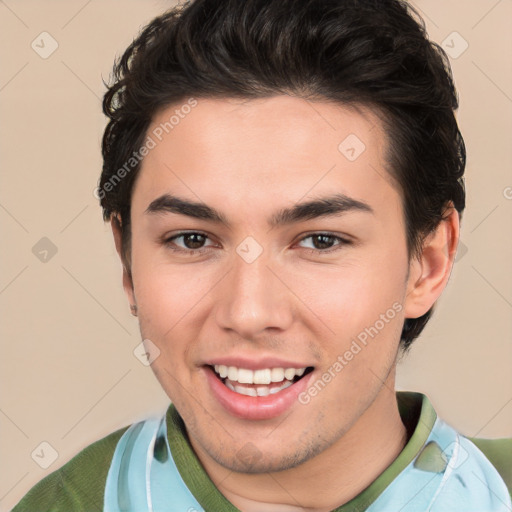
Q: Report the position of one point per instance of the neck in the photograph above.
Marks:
(328, 480)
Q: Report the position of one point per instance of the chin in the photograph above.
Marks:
(261, 466)
(250, 460)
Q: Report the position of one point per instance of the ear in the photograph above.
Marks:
(115, 223)
(429, 273)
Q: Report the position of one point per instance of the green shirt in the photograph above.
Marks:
(80, 484)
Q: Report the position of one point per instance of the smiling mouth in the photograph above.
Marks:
(264, 382)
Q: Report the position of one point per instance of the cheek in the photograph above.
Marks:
(362, 307)
(166, 293)
(352, 296)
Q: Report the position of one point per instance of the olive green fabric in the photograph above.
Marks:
(80, 484)
(499, 453)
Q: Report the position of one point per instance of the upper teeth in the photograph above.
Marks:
(264, 376)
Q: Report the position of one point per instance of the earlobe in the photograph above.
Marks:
(430, 272)
(115, 224)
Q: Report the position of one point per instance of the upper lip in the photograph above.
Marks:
(255, 364)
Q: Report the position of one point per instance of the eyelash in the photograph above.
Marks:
(341, 242)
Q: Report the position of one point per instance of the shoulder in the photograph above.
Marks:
(78, 485)
(499, 453)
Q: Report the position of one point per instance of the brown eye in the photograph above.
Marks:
(193, 240)
(324, 243)
(188, 242)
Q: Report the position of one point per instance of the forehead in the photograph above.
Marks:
(244, 154)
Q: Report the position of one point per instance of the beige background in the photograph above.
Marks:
(68, 372)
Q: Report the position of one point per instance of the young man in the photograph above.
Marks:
(284, 185)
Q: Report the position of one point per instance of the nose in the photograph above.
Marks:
(254, 297)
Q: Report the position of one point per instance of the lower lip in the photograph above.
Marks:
(255, 407)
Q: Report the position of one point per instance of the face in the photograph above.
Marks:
(270, 270)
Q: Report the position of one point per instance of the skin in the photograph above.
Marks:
(249, 159)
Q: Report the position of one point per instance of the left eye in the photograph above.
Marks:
(323, 242)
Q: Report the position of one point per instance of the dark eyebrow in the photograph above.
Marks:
(173, 204)
(336, 204)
